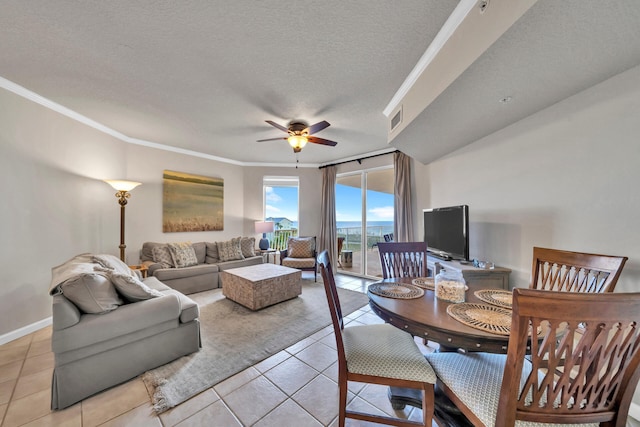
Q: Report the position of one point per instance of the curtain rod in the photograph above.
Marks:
(359, 160)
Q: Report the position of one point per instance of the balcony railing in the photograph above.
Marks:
(353, 236)
(278, 239)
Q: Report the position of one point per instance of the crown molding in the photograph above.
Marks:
(448, 29)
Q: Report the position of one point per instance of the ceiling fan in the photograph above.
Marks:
(300, 133)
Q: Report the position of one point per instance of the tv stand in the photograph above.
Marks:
(497, 277)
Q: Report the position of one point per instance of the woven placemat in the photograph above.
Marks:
(424, 282)
(396, 290)
(499, 297)
(488, 318)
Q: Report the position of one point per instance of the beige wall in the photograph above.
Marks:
(566, 177)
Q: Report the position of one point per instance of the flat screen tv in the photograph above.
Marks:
(446, 231)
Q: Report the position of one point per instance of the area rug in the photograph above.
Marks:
(234, 338)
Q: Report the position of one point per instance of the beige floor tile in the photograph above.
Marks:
(111, 403)
(288, 414)
(19, 342)
(185, 410)
(320, 399)
(217, 414)
(332, 372)
(377, 395)
(254, 400)
(10, 371)
(272, 361)
(141, 416)
(300, 345)
(291, 375)
(322, 333)
(33, 383)
(39, 347)
(358, 404)
(6, 390)
(370, 319)
(32, 407)
(318, 356)
(43, 334)
(37, 363)
(12, 354)
(69, 417)
(236, 381)
(329, 341)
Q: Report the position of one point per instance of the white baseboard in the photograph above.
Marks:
(634, 411)
(26, 330)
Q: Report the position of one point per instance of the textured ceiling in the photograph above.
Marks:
(205, 75)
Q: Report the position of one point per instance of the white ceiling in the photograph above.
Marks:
(204, 75)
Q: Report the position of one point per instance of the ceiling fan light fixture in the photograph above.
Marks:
(297, 141)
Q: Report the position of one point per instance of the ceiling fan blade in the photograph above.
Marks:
(276, 125)
(322, 141)
(317, 127)
(272, 139)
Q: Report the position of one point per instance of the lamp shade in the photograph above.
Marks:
(265, 226)
(122, 185)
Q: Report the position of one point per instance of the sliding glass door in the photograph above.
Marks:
(364, 214)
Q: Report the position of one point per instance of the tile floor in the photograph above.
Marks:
(296, 387)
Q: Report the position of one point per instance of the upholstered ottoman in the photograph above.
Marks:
(262, 285)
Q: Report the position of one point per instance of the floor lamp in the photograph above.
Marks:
(123, 188)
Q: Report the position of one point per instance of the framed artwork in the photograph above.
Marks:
(191, 202)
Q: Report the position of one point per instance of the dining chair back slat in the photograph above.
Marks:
(403, 259)
(565, 271)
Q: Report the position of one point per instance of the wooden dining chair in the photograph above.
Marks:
(376, 354)
(403, 259)
(556, 270)
(595, 385)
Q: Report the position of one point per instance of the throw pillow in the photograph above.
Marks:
(301, 248)
(162, 256)
(92, 293)
(182, 254)
(212, 253)
(248, 246)
(230, 250)
(132, 289)
(112, 262)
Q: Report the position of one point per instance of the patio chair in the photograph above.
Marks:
(556, 270)
(376, 354)
(300, 254)
(600, 349)
(406, 259)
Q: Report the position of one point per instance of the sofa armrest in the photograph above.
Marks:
(128, 318)
(65, 313)
(151, 267)
(283, 255)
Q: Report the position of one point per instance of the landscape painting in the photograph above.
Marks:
(191, 202)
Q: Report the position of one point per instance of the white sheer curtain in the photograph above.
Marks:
(403, 201)
(328, 237)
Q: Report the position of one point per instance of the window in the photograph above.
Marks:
(281, 207)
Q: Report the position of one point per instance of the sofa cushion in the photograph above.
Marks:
(131, 288)
(212, 256)
(146, 254)
(155, 284)
(201, 251)
(254, 260)
(301, 247)
(162, 256)
(248, 246)
(179, 273)
(182, 254)
(230, 250)
(92, 293)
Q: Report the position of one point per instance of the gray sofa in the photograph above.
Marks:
(95, 351)
(196, 278)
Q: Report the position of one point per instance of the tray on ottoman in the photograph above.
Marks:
(258, 286)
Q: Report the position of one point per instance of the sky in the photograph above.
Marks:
(283, 202)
